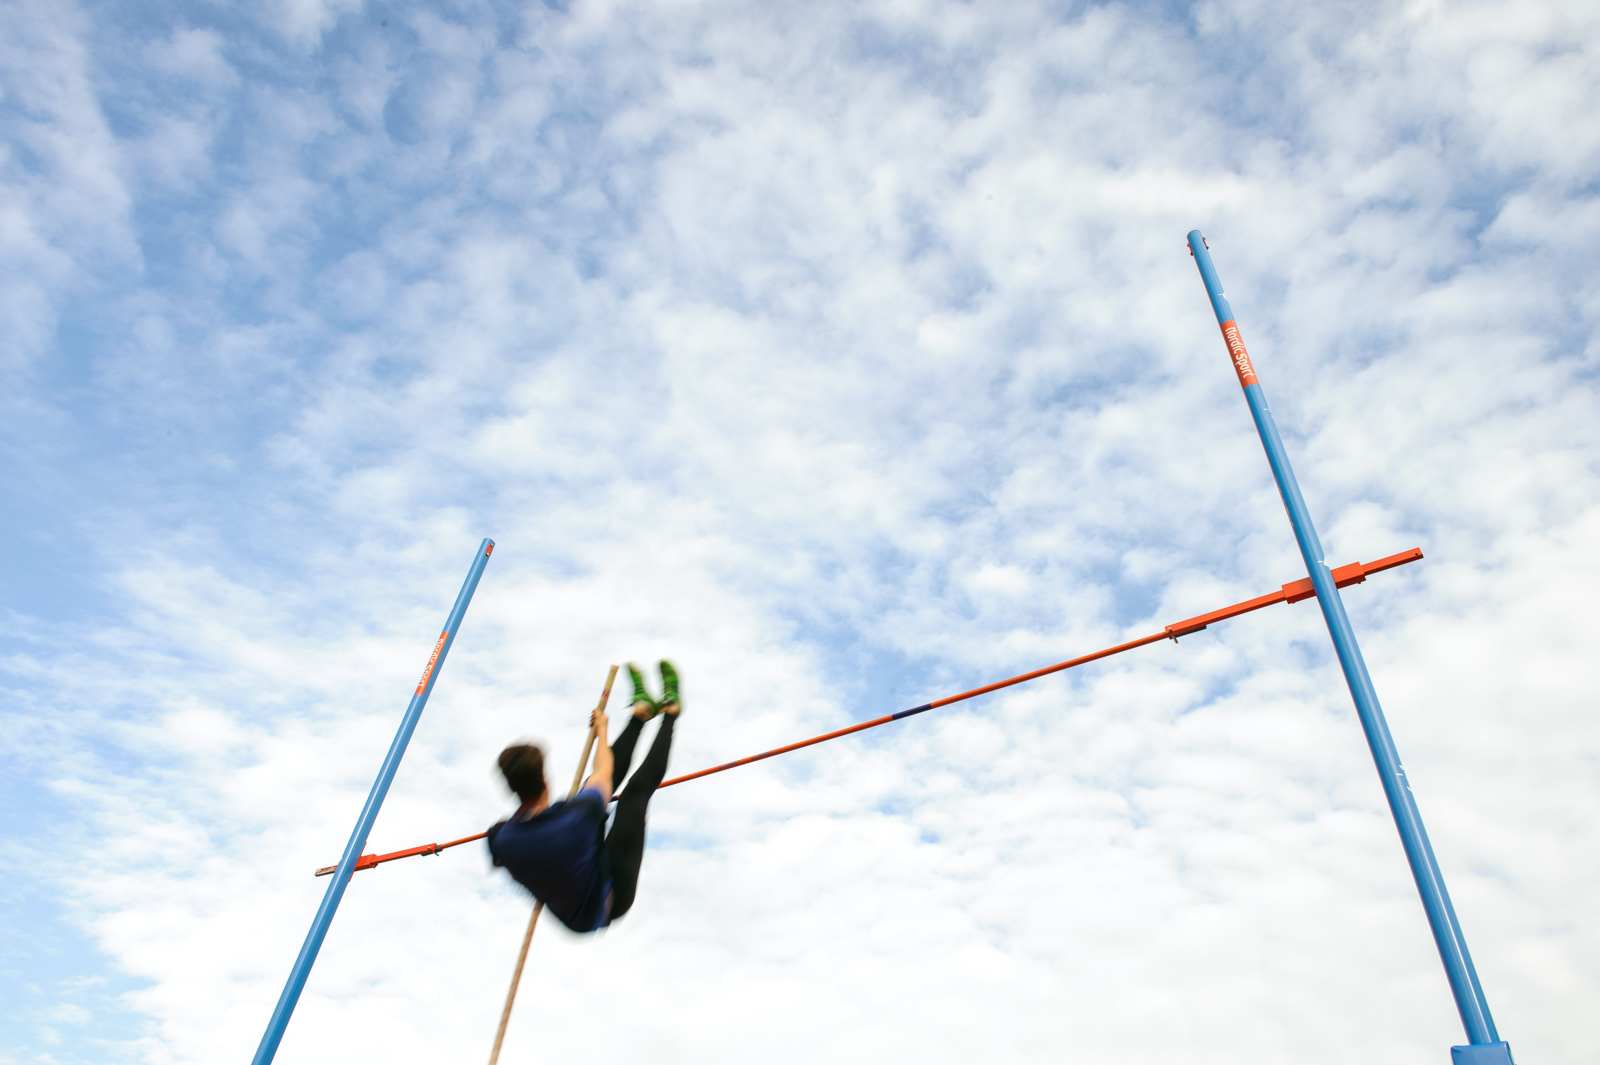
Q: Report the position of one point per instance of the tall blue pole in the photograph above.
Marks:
(369, 813)
(1485, 1046)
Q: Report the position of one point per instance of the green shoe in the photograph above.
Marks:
(639, 694)
(669, 686)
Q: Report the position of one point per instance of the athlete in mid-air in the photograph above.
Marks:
(561, 851)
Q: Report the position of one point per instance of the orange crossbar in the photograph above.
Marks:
(1293, 592)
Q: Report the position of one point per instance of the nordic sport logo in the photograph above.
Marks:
(433, 660)
(1241, 360)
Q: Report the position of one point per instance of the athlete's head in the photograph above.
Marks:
(522, 764)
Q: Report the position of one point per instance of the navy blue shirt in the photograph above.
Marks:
(559, 855)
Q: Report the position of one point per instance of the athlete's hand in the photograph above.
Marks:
(598, 721)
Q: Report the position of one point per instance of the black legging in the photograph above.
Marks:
(625, 841)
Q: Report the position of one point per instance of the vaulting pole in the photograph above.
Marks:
(1486, 1047)
(538, 907)
(369, 813)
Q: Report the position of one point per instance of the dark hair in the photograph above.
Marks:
(522, 764)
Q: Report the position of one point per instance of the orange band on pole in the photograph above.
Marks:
(1241, 358)
(433, 659)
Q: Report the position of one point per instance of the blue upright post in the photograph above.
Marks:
(1485, 1046)
(369, 814)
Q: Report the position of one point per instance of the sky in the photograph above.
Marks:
(850, 356)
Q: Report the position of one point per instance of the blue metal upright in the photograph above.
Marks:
(369, 814)
(1485, 1047)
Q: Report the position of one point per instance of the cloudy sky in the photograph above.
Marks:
(851, 356)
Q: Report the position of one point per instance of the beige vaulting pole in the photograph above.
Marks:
(527, 937)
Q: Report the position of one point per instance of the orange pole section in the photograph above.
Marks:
(1293, 592)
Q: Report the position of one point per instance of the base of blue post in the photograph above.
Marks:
(1482, 1054)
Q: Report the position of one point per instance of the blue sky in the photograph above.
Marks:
(851, 355)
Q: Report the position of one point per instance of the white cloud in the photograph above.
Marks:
(67, 1013)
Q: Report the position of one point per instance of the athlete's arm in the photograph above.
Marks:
(600, 779)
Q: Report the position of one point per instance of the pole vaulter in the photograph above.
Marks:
(369, 814)
(1293, 592)
(1484, 1044)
